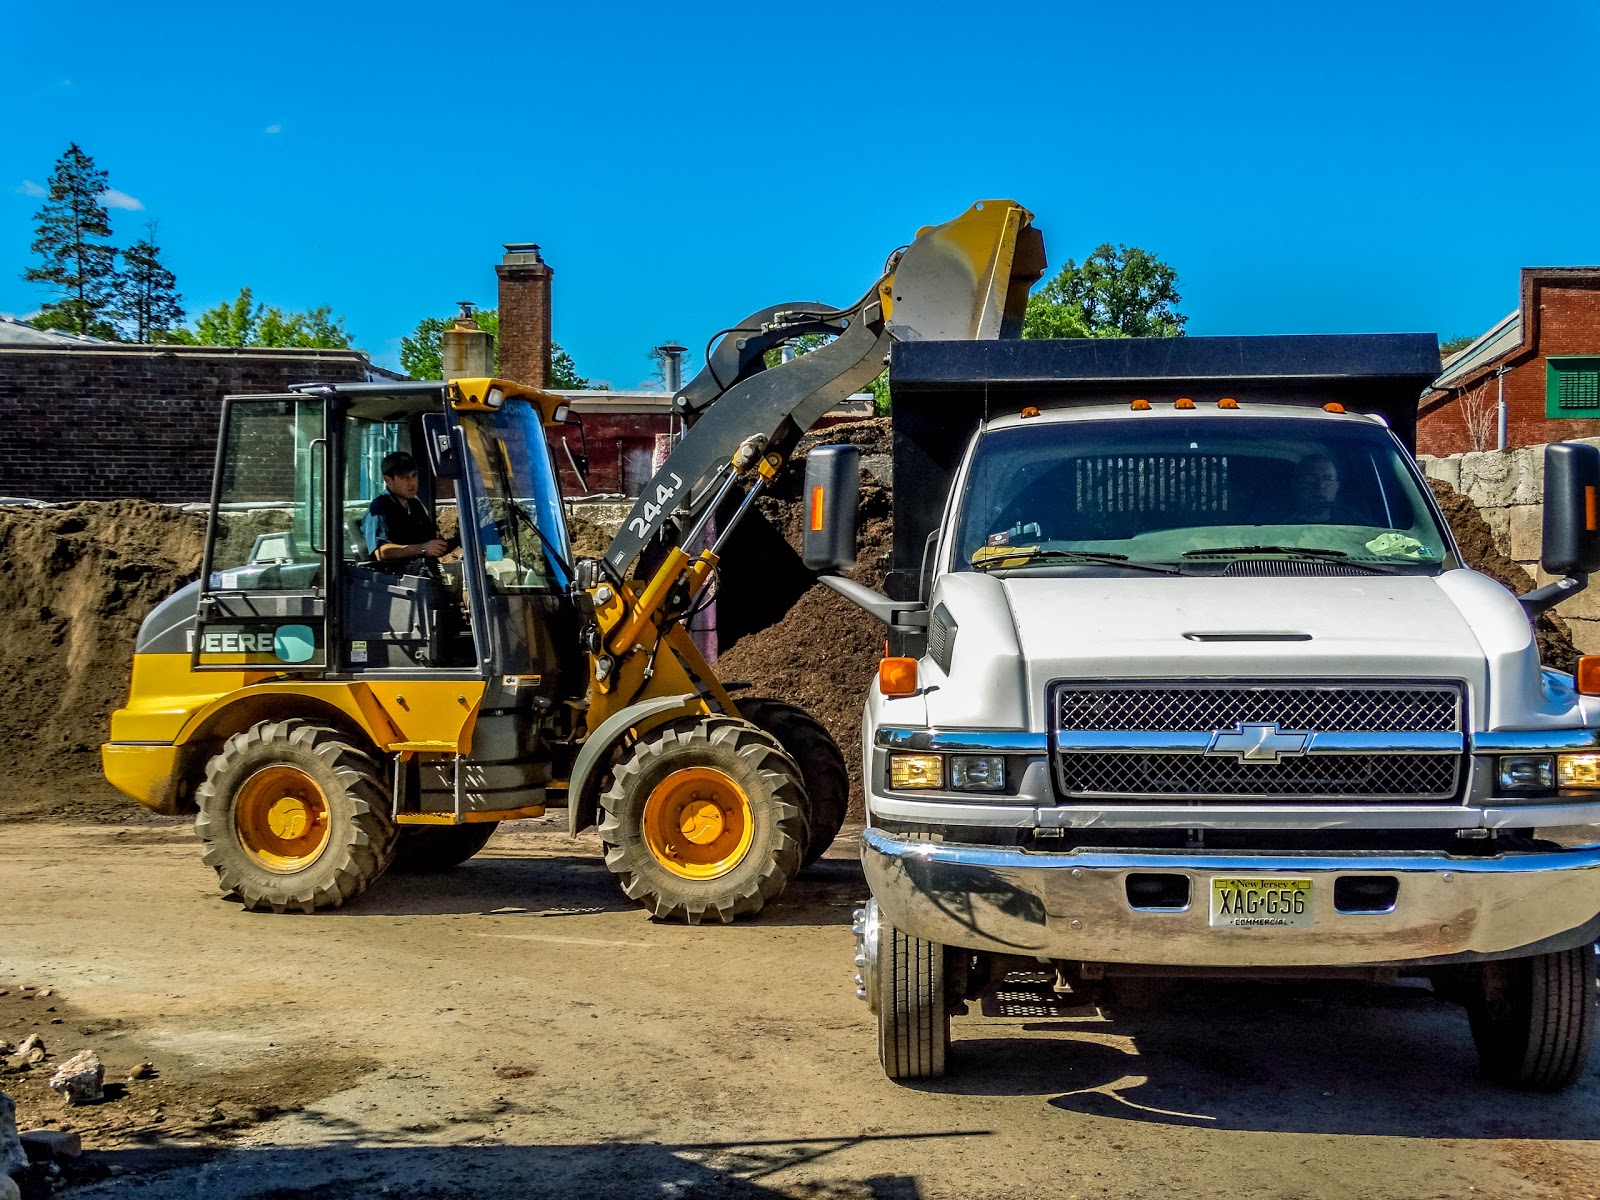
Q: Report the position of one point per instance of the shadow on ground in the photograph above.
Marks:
(345, 1171)
(1283, 1058)
(563, 885)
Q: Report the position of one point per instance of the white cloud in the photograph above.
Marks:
(112, 198)
(30, 188)
(273, 129)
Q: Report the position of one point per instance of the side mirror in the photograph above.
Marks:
(828, 509)
(1571, 522)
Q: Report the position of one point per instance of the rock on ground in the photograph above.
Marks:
(42, 1145)
(81, 1079)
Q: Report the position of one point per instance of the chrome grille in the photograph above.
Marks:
(1323, 776)
(1315, 706)
(1324, 707)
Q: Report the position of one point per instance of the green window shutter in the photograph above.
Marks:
(1573, 388)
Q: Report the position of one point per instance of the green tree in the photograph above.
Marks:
(563, 371)
(147, 299)
(1119, 291)
(245, 322)
(1456, 344)
(73, 240)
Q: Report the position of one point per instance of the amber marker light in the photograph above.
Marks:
(1334, 407)
(1140, 405)
(1589, 674)
(816, 508)
(1227, 402)
(1030, 411)
(897, 677)
(1183, 402)
(1588, 508)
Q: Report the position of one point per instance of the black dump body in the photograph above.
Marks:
(941, 390)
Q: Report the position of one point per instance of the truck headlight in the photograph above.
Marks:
(978, 772)
(1578, 770)
(916, 770)
(1525, 773)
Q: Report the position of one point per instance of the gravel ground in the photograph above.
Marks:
(516, 1028)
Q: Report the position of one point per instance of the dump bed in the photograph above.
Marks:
(942, 390)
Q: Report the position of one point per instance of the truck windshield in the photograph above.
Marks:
(1183, 492)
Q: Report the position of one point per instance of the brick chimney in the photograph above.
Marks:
(524, 315)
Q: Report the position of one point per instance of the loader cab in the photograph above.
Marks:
(290, 584)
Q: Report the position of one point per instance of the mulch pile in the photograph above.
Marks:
(75, 583)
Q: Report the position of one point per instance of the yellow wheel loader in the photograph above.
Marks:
(327, 716)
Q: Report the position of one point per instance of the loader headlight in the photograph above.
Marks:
(1578, 770)
(916, 770)
(978, 772)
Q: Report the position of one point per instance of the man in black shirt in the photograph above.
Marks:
(398, 527)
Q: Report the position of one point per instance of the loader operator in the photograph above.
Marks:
(398, 526)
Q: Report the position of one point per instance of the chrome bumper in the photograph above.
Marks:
(1074, 906)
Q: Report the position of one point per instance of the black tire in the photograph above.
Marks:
(821, 767)
(913, 1015)
(426, 849)
(768, 779)
(360, 841)
(1533, 1019)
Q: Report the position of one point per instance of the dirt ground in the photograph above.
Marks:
(516, 1028)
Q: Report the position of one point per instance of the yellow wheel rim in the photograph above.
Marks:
(698, 823)
(282, 819)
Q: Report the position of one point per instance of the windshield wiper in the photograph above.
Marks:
(1301, 551)
(1030, 554)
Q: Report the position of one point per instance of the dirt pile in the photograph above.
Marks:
(75, 582)
(823, 653)
(1476, 541)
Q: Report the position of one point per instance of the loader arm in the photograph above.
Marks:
(965, 279)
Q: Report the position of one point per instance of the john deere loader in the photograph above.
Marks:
(326, 717)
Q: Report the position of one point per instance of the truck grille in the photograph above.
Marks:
(1322, 708)
(1368, 776)
(1135, 771)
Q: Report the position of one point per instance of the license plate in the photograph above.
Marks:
(1250, 902)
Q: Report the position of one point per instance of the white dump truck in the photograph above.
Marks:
(1187, 678)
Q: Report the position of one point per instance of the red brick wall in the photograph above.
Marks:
(1565, 319)
(97, 423)
(620, 446)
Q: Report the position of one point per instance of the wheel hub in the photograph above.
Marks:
(698, 823)
(281, 817)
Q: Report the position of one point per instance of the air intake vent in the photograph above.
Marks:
(942, 637)
(1259, 567)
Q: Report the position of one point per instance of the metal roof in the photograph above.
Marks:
(1501, 340)
(16, 333)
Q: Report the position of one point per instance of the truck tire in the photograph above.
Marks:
(1533, 1019)
(913, 1014)
(294, 817)
(704, 820)
(821, 766)
(426, 849)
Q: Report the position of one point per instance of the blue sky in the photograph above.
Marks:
(1355, 167)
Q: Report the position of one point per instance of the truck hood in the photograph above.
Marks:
(1456, 625)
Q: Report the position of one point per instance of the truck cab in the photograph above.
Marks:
(1189, 679)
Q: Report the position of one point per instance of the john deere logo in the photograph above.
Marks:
(286, 643)
(294, 643)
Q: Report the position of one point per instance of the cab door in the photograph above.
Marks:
(264, 577)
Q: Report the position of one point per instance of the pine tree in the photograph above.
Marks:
(73, 231)
(147, 298)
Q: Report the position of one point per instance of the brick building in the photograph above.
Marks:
(85, 420)
(1543, 359)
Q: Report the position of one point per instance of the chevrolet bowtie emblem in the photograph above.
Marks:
(1257, 743)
